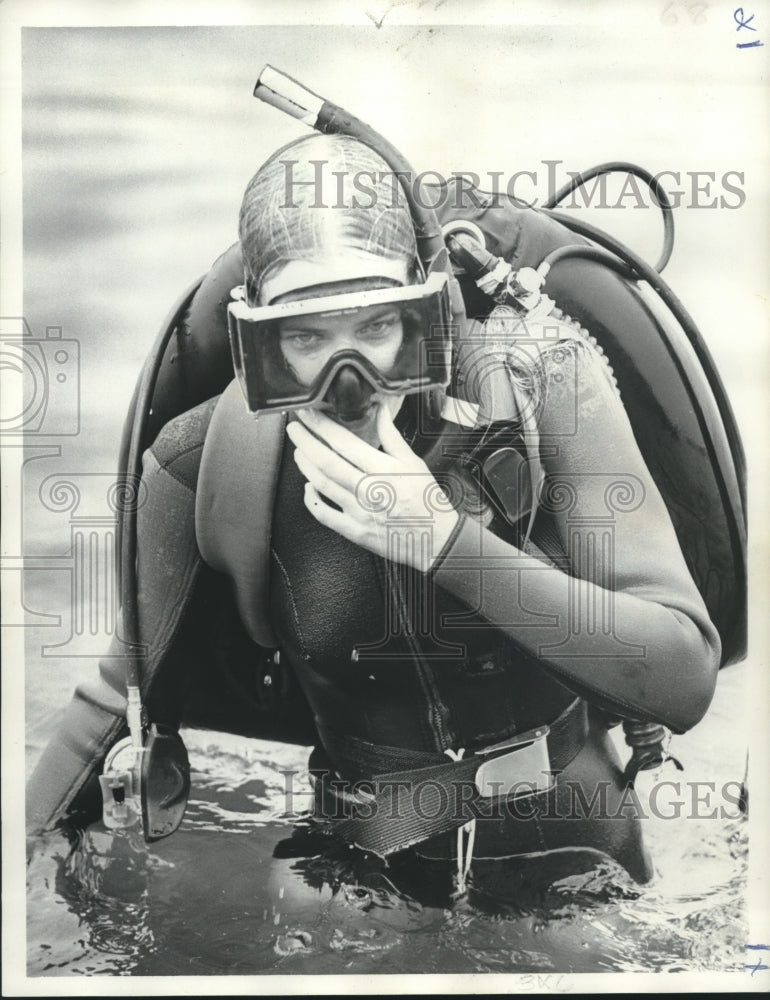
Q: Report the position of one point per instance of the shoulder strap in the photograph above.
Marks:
(234, 506)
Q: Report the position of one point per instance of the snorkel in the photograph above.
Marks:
(294, 99)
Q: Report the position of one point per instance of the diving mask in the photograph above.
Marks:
(268, 381)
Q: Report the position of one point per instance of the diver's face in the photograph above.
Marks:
(376, 332)
(307, 344)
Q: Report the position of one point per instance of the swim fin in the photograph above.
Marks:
(165, 782)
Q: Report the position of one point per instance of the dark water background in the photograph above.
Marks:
(137, 145)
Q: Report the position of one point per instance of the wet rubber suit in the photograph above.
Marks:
(377, 675)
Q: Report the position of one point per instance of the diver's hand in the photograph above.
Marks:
(390, 503)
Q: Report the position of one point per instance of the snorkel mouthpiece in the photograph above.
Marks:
(349, 394)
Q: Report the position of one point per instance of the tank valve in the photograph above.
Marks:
(521, 290)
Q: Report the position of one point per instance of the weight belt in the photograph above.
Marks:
(412, 796)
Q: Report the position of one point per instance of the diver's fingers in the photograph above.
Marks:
(322, 483)
(344, 442)
(391, 438)
(320, 456)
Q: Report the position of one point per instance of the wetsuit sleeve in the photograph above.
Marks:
(619, 619)
(64, 782)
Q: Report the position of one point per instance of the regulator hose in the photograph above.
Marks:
(658, 192)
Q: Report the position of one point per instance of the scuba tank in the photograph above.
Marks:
(538, 262)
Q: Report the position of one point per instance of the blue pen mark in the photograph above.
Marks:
(738, 17)
(741, 21)
(760, 966)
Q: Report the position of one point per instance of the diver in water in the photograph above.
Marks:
(467, 585)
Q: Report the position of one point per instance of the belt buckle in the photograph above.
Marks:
(526, 764)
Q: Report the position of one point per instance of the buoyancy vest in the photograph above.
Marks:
(385, 655)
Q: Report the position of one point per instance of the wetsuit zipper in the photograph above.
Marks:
(438, 712)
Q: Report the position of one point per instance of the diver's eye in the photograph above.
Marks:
(381, 327)
(299, 340)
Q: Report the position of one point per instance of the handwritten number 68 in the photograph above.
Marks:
(696, 11)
